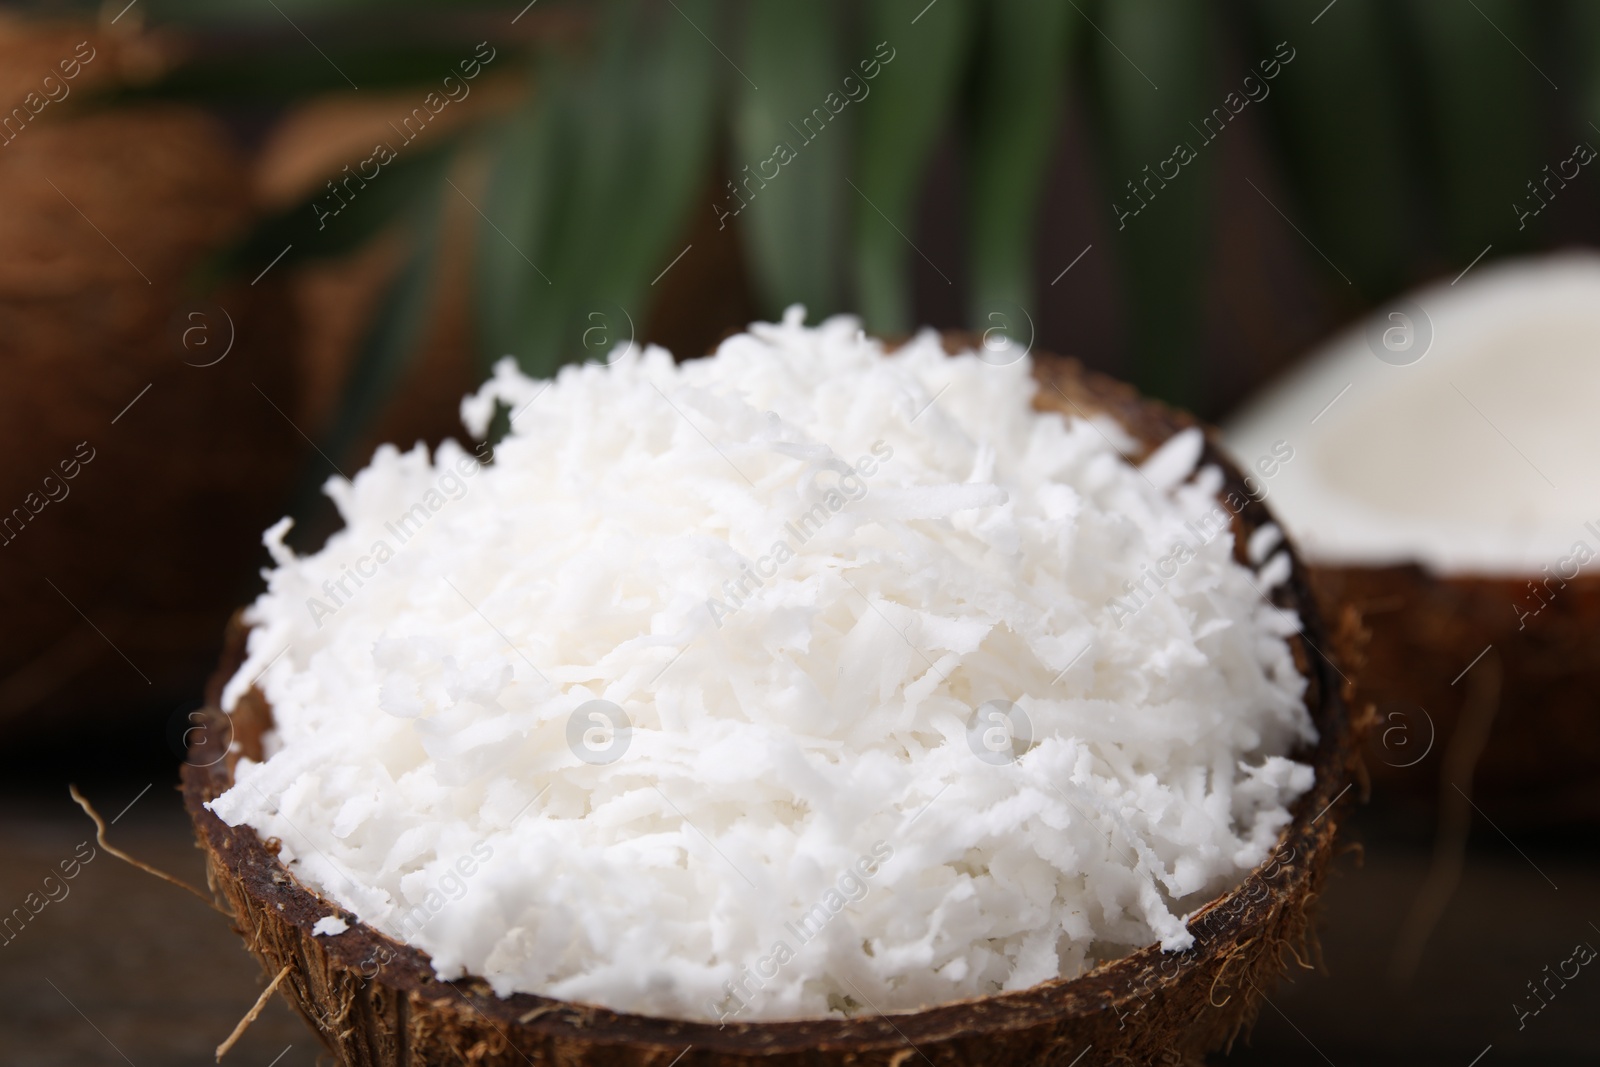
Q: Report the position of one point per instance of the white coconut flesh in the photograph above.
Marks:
(803, 569)
(1477, 458)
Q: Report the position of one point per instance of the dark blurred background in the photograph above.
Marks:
(241, 244)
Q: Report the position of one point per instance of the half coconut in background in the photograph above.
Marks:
(1443, 482)
(377, 999)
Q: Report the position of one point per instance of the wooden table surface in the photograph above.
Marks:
(127, 970)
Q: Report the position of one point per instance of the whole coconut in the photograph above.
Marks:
(136, 414)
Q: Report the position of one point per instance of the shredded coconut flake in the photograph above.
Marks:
(756, 686)
(329, 926)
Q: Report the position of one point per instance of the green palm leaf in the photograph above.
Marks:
(1154, 84)
(909, 105)
(1020, 70)
(595, 181)
(790, 155)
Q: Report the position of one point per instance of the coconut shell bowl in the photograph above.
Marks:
(375, 1002)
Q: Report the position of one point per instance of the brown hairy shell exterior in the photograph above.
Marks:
(374, 1001)
(108, 211)
(1539, 672)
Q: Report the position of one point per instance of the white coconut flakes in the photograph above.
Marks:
(803, 572)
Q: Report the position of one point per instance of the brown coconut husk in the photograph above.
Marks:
(107, 214)
(1541, 763)
(375, 1001)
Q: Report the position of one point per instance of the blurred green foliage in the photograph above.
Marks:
(1399, 134)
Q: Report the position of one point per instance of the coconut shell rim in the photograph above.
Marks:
(1224, 928)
